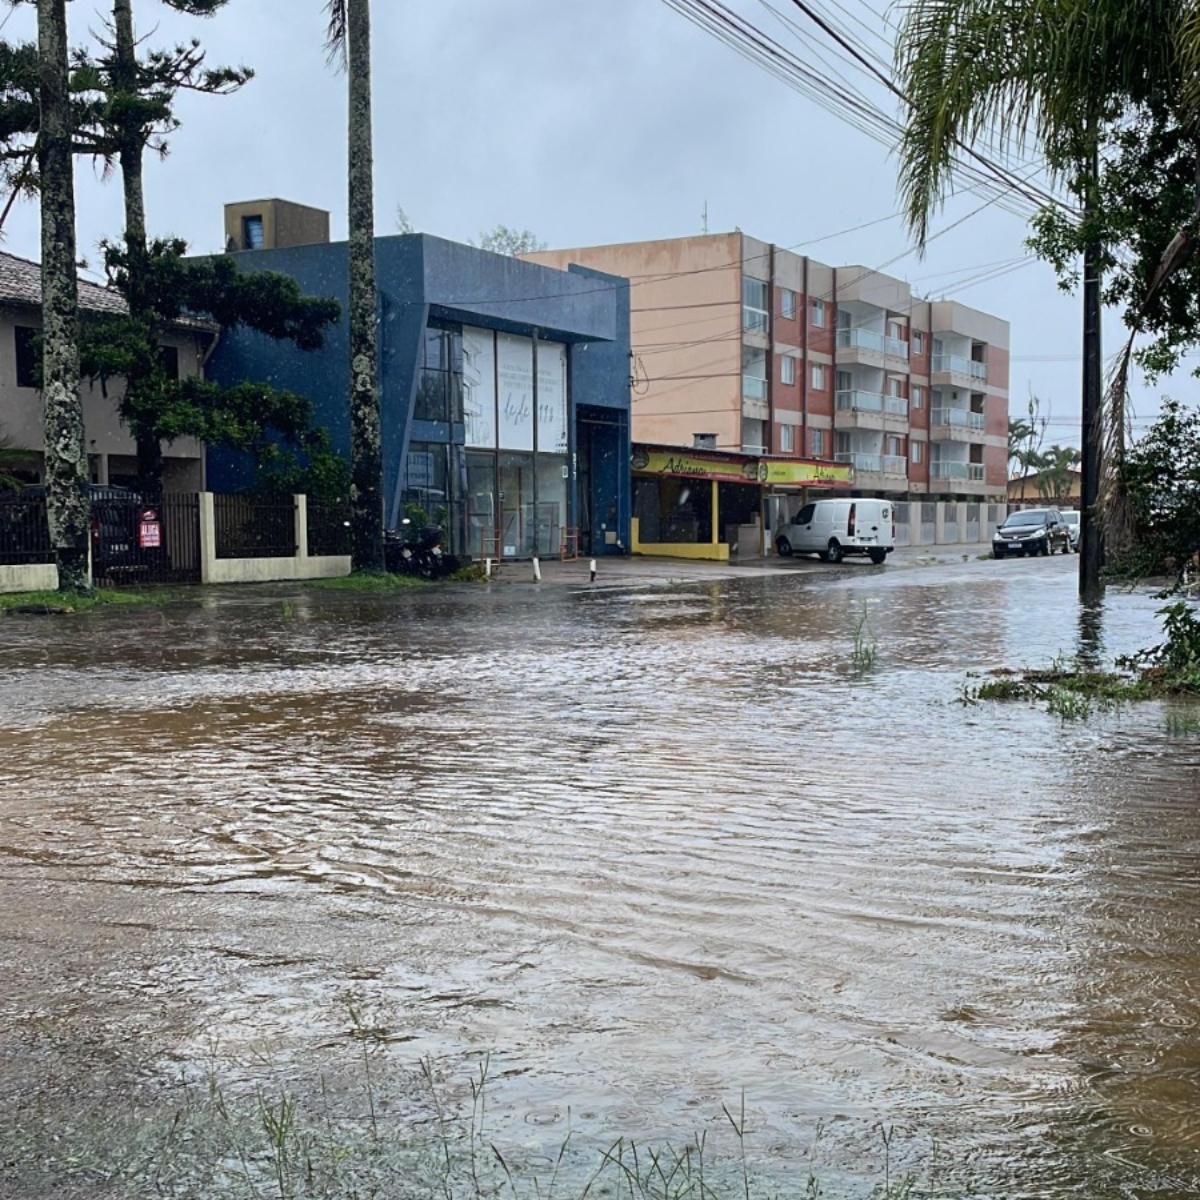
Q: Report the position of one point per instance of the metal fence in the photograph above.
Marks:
(328, 529)
(24, 532)
(254, 526)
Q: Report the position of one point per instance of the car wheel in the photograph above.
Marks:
(784, 547)
(997, 553)
(878, 557)
(834, 553)
(1046, 548)
(1066, 547)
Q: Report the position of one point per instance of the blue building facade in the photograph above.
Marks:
(504, 391)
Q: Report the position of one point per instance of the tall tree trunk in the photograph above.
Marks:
(1091, 544)
(366, 459)
(130, 151)
(66, 446)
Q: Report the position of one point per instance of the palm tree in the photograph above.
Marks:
(1048, 73)
(349, 37)
(66, 462)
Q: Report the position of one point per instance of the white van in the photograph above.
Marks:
(832, 529)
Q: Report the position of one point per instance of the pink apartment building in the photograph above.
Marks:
(741, 346)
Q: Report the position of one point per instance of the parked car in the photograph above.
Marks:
(122, 540)
(1032, 531)
(1071, 517)
(831, 529)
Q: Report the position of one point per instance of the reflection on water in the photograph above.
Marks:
(647, 847)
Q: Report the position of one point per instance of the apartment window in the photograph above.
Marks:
(817, 441)
(918, 342)
(25, 340)
(895, 446)
(252, 233)
(818, 313)
(787, 439)
(787, 303)
(754, 304)
(818, 377)
(918, 396)
(895, 330)
(917, 451)
(787, 369)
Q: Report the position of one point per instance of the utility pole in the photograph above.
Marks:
(1091, 556)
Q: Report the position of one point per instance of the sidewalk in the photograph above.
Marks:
(642, 570)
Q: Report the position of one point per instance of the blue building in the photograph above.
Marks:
(504, 385)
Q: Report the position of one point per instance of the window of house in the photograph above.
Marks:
(787, 303)
(787, 439)
(895, 446)
(818, 377)
(895, 330)
(818, 313)
(917, 451)
(168, 359)
(918, 396)
(918, 342)
(787, 369)
(25, 340)
(817, 441)
(252, 233)
(754, 305)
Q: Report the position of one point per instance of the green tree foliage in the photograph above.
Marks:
(1161, 477)
(256, 417)
(512, 242)
(124, 104)
(1053, 468)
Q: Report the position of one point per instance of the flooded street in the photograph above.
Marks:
(648, 849)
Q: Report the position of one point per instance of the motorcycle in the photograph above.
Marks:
(411, 551)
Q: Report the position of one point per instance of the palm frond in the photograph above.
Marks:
(336, 34)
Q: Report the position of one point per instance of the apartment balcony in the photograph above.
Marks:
(869, 348)
(871, 410)
(955, 425)
(965, 477)
(755, 404)
(957, 369)
(887, 471)
(756, 325)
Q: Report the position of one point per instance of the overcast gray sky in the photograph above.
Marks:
(586, 121)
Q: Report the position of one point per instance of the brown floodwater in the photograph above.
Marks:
(645, 851)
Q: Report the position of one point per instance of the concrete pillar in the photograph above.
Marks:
(716, 513)
(301, 518)
(208, 538)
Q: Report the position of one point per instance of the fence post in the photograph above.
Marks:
(208, 538)
(301, 519)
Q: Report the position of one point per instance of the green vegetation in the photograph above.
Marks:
(1073, 692)
(368, 581)
(54, 603)
(864, 653)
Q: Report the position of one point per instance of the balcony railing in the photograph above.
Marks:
(753, 388)
(748, 448)
(868, 339)
(872, 402)
(961, 418)
(756, 319)
(876, 464)
(972, 472)
(957, 364)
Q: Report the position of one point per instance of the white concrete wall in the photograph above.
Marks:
(264, 570)
(36, 577)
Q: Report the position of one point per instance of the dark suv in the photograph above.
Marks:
(1032, 531)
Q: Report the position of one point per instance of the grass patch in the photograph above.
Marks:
(50, 603)
(365, 581)
(864, 652)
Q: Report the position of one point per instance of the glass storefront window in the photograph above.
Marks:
(551, 502)
(518, 509)
(426, 497)
(482, 524)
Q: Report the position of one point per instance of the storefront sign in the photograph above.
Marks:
(514, 376)
(691, 466)
(479, 387)
(814, 474)
(552, 398)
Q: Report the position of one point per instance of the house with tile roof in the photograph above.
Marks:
(112, 454)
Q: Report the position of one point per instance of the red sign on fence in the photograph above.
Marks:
(149, 531)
